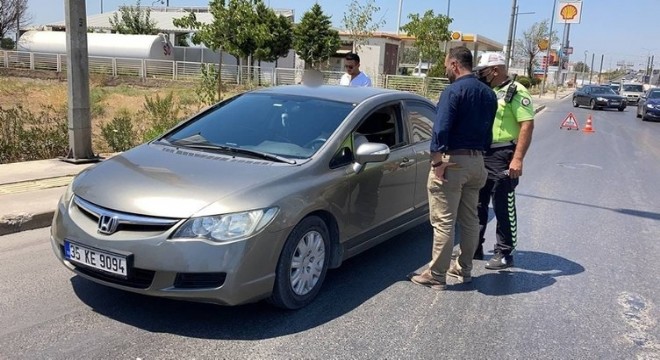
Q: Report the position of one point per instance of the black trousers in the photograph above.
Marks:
(500, 189)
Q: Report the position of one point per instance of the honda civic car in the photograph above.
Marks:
(648, 107)
(253, 198)
(598, 97)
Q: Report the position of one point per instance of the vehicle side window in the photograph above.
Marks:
(420, 118)
(384, 126)
(587, 90)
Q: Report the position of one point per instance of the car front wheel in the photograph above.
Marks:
(302, 265)
(593, 104)
(575, 103)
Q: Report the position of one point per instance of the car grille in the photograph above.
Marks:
(199, 280)
(124, 221)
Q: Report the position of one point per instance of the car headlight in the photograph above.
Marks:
(649, 106)
(601, 99)
(68, 194)
(227, 227)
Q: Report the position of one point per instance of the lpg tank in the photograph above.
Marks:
(154, 47)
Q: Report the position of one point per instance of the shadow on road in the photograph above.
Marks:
(533, 271)
(345, 289)
(632, 212)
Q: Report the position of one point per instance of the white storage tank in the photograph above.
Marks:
(154, 47)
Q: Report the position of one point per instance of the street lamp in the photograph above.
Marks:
(515, 30)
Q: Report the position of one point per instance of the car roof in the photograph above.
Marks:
(346, 94)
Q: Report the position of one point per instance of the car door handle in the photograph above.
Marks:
(405, 162)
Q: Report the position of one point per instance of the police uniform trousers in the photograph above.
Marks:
(500, 189)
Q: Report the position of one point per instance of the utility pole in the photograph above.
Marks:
(584, 66)
(398, 23)
(545, 71)
(591, 69)
(600, 71)
(509, 40)
(77, 61)
(447, 42)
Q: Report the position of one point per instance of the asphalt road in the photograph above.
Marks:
(585, 285)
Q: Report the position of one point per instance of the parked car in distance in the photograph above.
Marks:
(598, 97)
(632, 92)
(648, 107)
(253, 198)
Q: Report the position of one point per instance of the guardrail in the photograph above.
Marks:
(231, 74)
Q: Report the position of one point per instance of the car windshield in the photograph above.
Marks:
(602, 91)
(654, 95)
(281, 125)
(633, 88)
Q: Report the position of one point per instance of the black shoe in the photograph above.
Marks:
(499, 261)
(479, 253)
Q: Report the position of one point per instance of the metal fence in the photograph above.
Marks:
(231, 74)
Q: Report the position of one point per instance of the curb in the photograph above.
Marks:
(538, 109)
(23, 222)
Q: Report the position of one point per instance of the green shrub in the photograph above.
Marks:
(162, 114)
(96, 97)
(25, 136)
(524, 81)
(119, 133)
(207, 89)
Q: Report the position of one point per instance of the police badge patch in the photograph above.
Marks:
(525, 101)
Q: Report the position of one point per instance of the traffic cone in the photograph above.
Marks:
(588, 128)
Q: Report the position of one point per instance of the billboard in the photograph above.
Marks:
(570, 11)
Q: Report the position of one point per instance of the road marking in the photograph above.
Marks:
(32, 185)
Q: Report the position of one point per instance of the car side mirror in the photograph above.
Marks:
(370, 152)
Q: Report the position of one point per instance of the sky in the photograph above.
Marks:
(620, 30)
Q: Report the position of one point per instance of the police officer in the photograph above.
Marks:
(512, 135)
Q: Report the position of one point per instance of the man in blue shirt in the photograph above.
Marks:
(461, 133)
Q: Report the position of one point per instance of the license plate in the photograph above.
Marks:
(95, 258)
(615, 103)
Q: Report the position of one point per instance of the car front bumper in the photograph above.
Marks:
(223, 273)
(610, 104)
(653, 115)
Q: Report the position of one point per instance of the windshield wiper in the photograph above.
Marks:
(235, 150)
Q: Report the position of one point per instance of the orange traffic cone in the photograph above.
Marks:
(588, 128)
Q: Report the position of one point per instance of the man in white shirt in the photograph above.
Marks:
(353, 76)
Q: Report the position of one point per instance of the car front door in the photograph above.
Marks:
(382, 194)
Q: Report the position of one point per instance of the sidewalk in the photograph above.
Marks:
(29, 191)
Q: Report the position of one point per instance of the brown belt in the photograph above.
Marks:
(464, 152)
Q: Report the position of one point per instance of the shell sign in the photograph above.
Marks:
(570, 11)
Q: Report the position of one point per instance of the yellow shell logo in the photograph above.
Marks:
(456, 35)
(568, 12)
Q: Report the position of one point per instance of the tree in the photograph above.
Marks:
(7, 43)
(234, 29)
(429, 32)
(528, 47)
(134, 20)
(279, 35)
(313, 39)
(13, 14)
(358, 20)
(581, 67)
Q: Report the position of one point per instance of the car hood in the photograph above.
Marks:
(163, 181)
